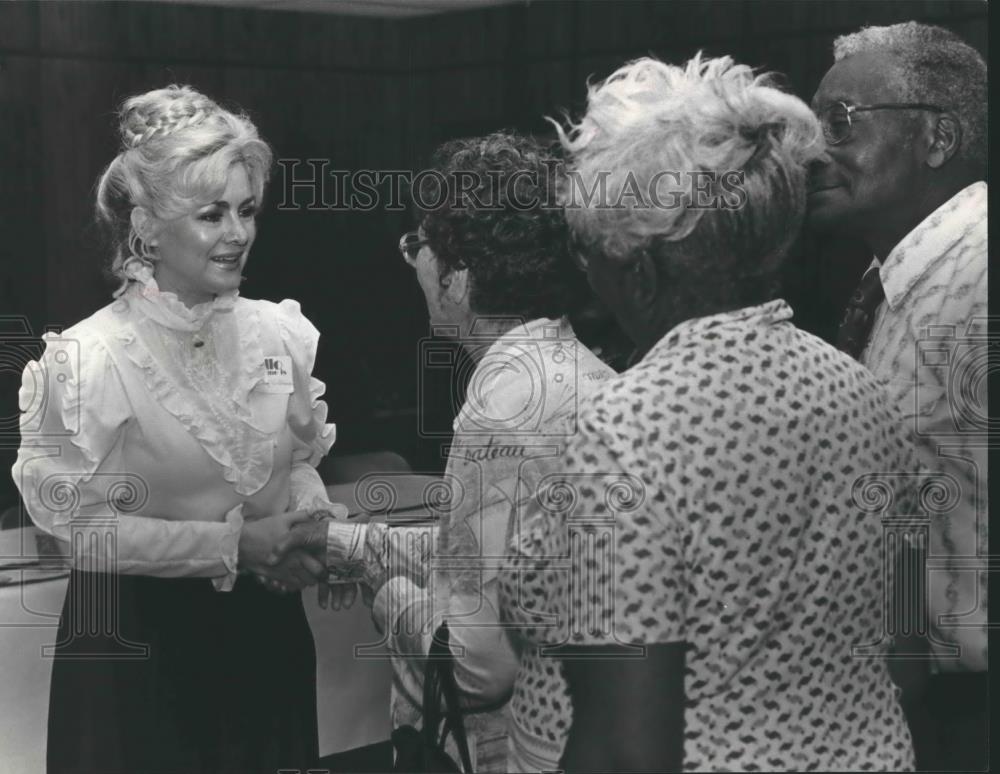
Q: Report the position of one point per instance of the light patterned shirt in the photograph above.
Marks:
(519, 413)
(711, 498)
(929, 341)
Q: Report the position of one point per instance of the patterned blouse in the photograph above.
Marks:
(721, 486)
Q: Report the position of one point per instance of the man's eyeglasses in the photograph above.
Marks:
(837, 123)
(410, 244)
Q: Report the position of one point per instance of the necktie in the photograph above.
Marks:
(860, 315)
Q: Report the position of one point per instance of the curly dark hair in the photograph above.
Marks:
(489, 204)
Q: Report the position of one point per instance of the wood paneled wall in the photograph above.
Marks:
(364, 93)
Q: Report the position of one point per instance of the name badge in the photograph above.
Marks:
(278, 373)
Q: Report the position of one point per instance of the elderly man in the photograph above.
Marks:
(491, 258)
(904, 113)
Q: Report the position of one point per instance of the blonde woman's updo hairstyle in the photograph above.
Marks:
(652, 126)
(177, 147)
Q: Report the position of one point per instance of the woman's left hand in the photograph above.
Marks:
(256, 542)
(311, 538)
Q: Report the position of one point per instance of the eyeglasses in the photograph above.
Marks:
(836, 119)
(410, 244)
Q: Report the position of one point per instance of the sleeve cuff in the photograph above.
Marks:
(230, 549)
(337, 511)
(345, 545)
(322, 503)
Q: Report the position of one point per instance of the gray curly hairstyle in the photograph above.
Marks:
(177, 147)
(937, 67)
(711, 115)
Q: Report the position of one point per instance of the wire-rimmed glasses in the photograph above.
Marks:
(410, 244)
(837, 123)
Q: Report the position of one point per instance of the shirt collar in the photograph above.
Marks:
(543, 330)
(771, 313)
(164, 307)
(936, 234)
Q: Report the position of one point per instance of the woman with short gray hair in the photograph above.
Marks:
(739, 574)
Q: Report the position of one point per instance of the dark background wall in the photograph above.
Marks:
(363, 93)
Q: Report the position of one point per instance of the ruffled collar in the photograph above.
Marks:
(164, 307)
(206, 386)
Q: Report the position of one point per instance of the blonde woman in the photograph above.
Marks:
(170, 439)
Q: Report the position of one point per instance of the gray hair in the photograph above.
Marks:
(177, 147)
(938, 67)
(709, 116)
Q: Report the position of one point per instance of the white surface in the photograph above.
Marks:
(29, 615)
(353, 696)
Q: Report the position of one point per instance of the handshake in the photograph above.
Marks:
(288, 552)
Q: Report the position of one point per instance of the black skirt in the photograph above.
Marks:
(169, 675)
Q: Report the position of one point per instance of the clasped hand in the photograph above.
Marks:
(287, 553)
(294, 571)
(340, 587)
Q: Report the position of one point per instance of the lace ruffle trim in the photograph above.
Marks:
(191, 408)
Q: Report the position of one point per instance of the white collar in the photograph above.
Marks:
(922, 248)
(164, 307)
(543, 329)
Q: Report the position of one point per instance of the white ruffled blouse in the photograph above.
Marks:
(166, 426)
